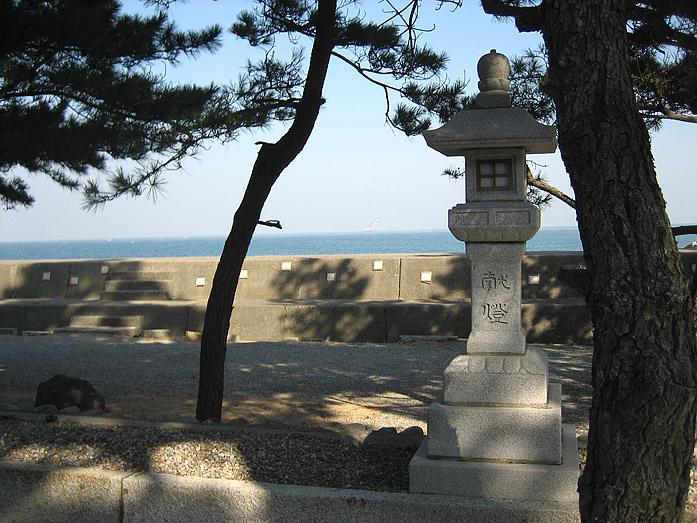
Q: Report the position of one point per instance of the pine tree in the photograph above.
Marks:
(76, 95)
(642, 420)
(377, 51)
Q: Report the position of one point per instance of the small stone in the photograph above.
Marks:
(160, 418)
(210, 421)
(388, 436)
(383, 436)
(70, 410)
(275, 423)
(239, 421)
(411, 437)
(47, 409)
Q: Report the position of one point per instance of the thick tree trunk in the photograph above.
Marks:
(642, 424)
(270, 163)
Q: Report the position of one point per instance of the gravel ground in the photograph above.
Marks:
(398, 381)
(292, 383)
(270, 456)
(331, 386)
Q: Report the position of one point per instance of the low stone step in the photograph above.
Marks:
(137, 285)
(122, 332)
(106, 320)
(136, 295)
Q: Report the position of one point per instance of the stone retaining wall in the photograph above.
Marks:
(366, 298)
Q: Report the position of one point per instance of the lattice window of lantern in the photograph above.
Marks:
(494, 175)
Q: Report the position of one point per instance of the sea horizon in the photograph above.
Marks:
(259, 233)
(553, 238)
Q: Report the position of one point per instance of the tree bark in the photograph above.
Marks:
(270, 163)
(642, 421)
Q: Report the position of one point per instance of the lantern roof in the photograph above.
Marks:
(494, 123)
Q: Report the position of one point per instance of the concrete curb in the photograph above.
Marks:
(47, 493)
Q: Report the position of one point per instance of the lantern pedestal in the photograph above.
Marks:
(497, 480)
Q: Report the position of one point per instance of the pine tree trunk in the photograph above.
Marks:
(642, 423)
(270, 163)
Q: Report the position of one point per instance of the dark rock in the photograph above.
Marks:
(64, 391)
(388, 436)
(412, 437)
(70, 410)
(383, 436)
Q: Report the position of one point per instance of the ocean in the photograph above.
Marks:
(280, 244)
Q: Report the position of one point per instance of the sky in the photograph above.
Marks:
(354, 169)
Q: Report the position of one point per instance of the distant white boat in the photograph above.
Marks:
(373, 226)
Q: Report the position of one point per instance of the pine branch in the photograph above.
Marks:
(664, 113)
(527, 19)
(543, 186)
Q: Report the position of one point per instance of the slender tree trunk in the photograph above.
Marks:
(642, 423)
(270, 163)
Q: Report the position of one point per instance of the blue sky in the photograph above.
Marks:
(354, 169)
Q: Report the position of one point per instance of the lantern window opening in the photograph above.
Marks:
(494, 175)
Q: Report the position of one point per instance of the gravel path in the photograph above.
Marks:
(397, 379)
(314, 385)
(301, 385)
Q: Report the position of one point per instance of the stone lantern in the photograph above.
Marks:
(496, 432)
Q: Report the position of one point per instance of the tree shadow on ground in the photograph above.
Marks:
(399, 376)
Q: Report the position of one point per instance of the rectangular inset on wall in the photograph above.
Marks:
(377, 265)
(200, 282)
(426, 276)
(331, 276)
(533, 279)
(46, 276)
(105, 269)
(286, 266)
(244, 274)
(74, 280)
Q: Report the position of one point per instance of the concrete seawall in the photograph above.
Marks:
(371, 298)
(358, 277)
